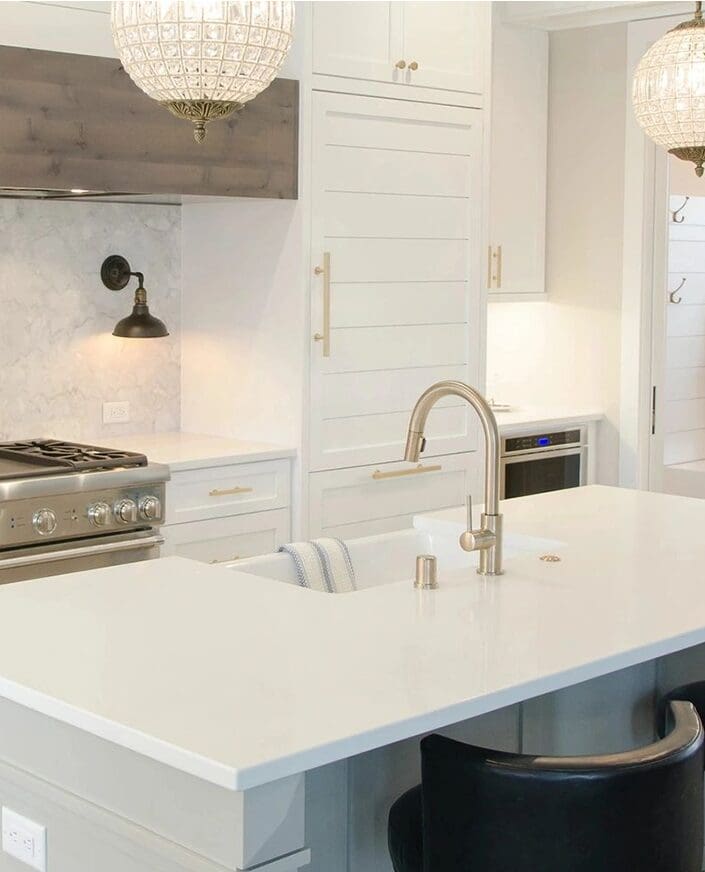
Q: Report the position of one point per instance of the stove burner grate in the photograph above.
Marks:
(54, 456)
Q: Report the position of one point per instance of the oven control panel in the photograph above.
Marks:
(71, 516)
(542, 441)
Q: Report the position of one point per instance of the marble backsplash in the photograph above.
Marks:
(58, 360)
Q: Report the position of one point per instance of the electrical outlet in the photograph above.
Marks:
(116, 413)
(23, 839)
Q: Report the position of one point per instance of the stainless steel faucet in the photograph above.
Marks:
(488, 539)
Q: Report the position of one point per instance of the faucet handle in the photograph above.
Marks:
(468, 507)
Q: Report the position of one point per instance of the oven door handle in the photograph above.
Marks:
(86, 551)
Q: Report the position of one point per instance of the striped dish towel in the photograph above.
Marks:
(322, 564)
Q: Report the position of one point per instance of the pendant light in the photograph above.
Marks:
(668, 92)
(116, 273)
(202, 59)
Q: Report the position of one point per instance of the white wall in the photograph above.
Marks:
(58, 358)
(566, 351)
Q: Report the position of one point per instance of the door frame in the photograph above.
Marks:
(643, 273)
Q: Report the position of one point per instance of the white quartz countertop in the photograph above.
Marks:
(195, 450)
(520, 418)
(241, 680)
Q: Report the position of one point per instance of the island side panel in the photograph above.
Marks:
(49, 766)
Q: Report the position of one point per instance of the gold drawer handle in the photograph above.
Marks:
(230, 490)
(413, 66)
(226, 559)
(378, 475)
(400, 65)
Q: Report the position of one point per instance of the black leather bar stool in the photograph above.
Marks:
(488, 811)
(693, 693)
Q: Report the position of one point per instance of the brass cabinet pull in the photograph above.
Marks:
(325, 272)
(378, 475)
(413, 66)
(216, 492)
(400, 65)
(227, 559)
(494, 267)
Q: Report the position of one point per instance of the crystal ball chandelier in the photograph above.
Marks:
(202, 59)
(668, 92)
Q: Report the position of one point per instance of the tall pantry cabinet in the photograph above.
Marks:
(324, 318)
(396, 218)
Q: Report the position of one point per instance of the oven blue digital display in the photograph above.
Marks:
(543, 440)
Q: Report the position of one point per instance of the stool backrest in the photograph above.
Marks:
(638, 811)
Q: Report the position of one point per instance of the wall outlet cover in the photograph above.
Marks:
(24, 839)
(116, 413)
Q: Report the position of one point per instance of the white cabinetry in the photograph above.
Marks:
(395, 237)
(426, 44)
(222, 513)
(376, 499)
(517, 240)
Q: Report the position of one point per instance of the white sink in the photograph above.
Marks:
(391, 557)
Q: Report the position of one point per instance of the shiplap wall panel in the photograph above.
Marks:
(685, 383)
(396, 195)
(684, 407)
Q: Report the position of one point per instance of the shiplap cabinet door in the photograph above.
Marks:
(396, 197)
(440, 44)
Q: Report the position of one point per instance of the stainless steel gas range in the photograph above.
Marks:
(66, 507)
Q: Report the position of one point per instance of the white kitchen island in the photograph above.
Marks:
(162, 715)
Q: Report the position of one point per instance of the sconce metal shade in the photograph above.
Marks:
(115, 273)
(140, 324)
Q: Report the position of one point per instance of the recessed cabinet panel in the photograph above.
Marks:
(518, 155)
(394, 227)
(198, 494)
(227, 540)
(374, 499)
(357, 39)
(447, 41)
(411, 45)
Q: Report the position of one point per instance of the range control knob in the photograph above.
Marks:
(126, 511)
(150, 508)
(99, 514)
(44, 522)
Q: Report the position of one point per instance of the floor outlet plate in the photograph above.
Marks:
(24, 839)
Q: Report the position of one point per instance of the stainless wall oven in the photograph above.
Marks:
(539, 462)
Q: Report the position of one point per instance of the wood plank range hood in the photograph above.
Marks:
(73, 122)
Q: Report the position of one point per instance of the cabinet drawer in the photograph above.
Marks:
(198, 494)
(225, 540)
(376, 499)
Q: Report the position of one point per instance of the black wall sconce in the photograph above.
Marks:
(116, 274)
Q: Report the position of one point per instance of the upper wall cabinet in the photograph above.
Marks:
(426, 45)
(519, 127)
